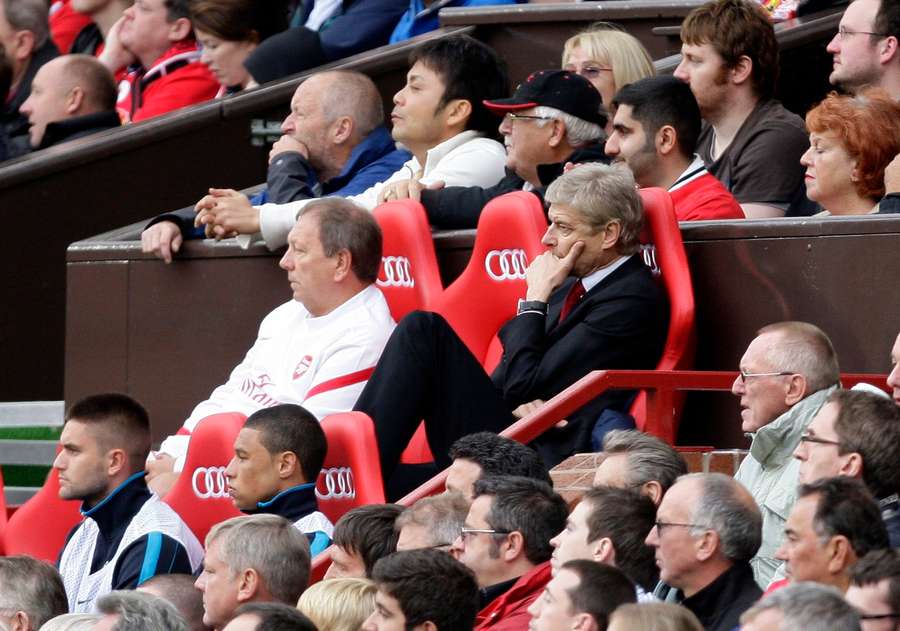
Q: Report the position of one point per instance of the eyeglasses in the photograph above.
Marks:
(844, 33)
(878, 616)
(805, 437)
(666, 524)
(465, 533)
(590, 72)
(749, 375)
(515, 117)
(439, 546)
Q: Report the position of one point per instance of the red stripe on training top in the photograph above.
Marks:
(340, 382)
(183, 432)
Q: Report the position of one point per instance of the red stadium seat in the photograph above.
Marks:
(409, 275)
(351, 475)
(664, 254)
(39, 527)
(200, 496)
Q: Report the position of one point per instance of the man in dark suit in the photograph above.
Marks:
(591, 304)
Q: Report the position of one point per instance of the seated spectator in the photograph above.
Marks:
(616, 318)
(655, 133)
(787, 373)
(323, 31)
(893, 380)
(432, 522)
(485, 454)
(505, 542)
(72, 622)
(261, 558)
(361, 537)
(334, 143)
(72, 96)
(315, 350)
(834, 523)
(134, 610)
(609, 526)
(873, 60)
(269, 617)
(31, 593)
(179, 590)
(875, 589)
(802, 606)
(103, 15)
(653, 617)
(422, 16)
(638, 461)
(553, 118)
(581, 595)
(154, 39)
(338, 604)
(751, 142)
(127, 535)
(707, 530)
(407, 597)
(277, 458)
(609, 58)
(438, 116)
(852, 139)
(27, 46)
(857, 434)
(228, 31)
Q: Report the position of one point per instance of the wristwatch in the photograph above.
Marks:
(532, 306)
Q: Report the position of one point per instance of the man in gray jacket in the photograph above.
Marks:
(787, 373)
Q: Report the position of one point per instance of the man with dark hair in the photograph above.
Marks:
(154, 41)
(485, 454)
(128, 535)
(422, 590)
(751, 142)
(610, 526)
(834, 523)
(361, 537)
(180, 591)
(857, 434)
(432, 522)
(277, 458)
(438, 116)
(31, 592)
(639, 461)
(707, 529)
(269, 617)
(875, 589)
(71, 97)
(655, 132)
(581, 595)
(505, 542)
(316, 350)
(866, 47)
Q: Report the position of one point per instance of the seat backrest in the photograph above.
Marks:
(351, 475)
(663, 252)
(409, 276)
(484, 297)
(40, 525)
(200, 496)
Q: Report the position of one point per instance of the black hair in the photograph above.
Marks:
(845, 507)
(497, 455)
(601, 589)
(276, 617)
(368, 531)
(125, 422)
(290, 427)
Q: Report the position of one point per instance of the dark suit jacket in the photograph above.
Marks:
(621, 323)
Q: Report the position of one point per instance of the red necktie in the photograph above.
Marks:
(574, 295)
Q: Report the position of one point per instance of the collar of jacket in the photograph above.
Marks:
(292, 504)
(776, 441)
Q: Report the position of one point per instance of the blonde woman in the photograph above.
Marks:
(653, 617)
(338, 604)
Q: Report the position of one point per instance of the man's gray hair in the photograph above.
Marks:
(804, 349)
(726, 507)
(269, 544)
(353, 94)
(33, 587)
(138, 611)
(29, 15)
(649, 458)
(808, 605)
(602, 193)
(443, 516)
(579, 132)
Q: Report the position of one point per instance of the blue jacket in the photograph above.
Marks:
(420, 19)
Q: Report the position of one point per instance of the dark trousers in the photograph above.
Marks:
(427, 373)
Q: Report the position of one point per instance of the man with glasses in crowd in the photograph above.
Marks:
(866, 47)
(787, 373)
(875, 590)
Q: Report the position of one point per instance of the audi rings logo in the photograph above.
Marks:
(506, 264)
(649, 254)
(338, 483)
(397, 272)
(209, 482)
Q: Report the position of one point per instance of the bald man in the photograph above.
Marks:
(71, 96)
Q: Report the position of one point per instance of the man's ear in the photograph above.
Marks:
(74, 100)
(558, 134)
(248, 585)
(24, 44)
(342, 130)
(118, 460)
(513, 547)
(741, 71)
(852, 467)
(653, 489)
(343, 265)
(888, 49)
(797, 389)
(458, 112)
(610, 234)
(288, 464)
(603, 551)
(707, 545)
(840, 554)
(666, 140)
(179, 29)
(584, 622)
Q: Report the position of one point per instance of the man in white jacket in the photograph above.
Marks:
(439, 116)
(316, 350)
